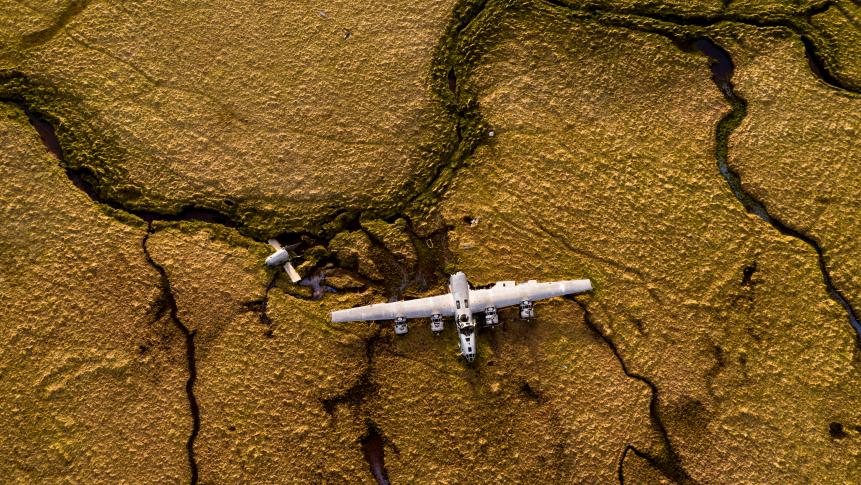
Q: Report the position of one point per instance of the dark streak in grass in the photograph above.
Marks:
(669, 464)
(373, 448)
(169, 299)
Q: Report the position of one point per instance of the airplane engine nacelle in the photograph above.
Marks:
(401, 327)
(436, 323)
(491, 318)
(527, 311)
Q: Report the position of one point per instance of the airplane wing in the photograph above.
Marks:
(274, 243)
(418, 308)
(507, 293)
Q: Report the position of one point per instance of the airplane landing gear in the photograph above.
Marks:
(491, 318)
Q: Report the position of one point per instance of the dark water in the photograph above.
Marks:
(46, 133)
(722, 66)
(372, 447)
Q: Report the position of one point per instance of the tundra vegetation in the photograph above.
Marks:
(695, 159)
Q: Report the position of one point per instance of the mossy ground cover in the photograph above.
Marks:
(279, 116)
(709, 351)
(797, 148)
(265, 361)
(93, 369)
(603, 164)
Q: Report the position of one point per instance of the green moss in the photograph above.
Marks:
(312, 257)
(217, 233)
(838, 45)
(126, 218)
(473, 26)
(462, 44)
(83, 149)
(839, 58)
(294, 290)
(395, 237)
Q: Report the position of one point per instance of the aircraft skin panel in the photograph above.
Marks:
(291, 272)
(418, 308)
(558, 288)
(479, 300)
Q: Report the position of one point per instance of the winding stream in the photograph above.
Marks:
(722, 71)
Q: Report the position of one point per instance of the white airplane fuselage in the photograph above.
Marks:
(466, 330)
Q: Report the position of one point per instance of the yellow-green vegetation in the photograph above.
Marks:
(547, 402)
(797, 148)
(395, 238)
(277, 114)
(697, 9)
(637, 469)
(830, 28)
(93, 370)
(603, 165)
(265, 362)
(840, 31)
(354, 250)
(710, 351)
(20, 25)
